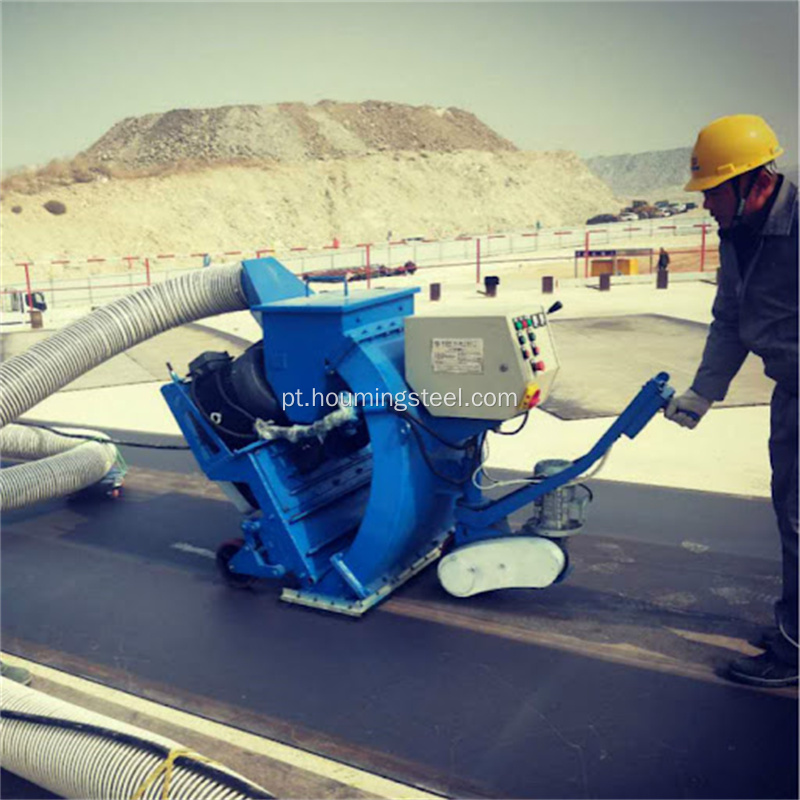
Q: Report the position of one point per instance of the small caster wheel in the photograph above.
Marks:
(225, 552)
(115, 493)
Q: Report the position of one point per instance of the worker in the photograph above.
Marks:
(755, 310)
(663, 260)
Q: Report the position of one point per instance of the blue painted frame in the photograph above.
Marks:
(354, 528)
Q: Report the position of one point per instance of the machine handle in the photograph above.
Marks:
(327, 279)
(652, 397)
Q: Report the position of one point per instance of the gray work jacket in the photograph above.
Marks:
(755, 309)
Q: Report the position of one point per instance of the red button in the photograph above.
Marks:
(540, 365)
(525, 354)
(536, 351)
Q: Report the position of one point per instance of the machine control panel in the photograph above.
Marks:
(525, 325)
(495, 363)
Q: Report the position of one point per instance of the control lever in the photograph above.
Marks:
(557, 306)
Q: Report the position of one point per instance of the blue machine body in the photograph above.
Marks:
(344, 534)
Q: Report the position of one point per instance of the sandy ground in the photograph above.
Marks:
(285, 205)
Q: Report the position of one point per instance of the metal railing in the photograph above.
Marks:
(475, 252)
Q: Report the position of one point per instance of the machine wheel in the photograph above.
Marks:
(225, 552)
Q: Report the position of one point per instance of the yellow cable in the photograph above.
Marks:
(166, 767)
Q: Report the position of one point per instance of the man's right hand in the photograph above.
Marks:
(687, 409)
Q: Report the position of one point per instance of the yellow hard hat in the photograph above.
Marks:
(731, 146)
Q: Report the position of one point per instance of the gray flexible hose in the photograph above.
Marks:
(54, 362)
(51, 364)
(56, 476)
(66, 465)
(78, 753)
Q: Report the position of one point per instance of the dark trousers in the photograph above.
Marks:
(783, 451)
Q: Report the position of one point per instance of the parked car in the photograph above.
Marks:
(409, 268)
(677, 208)
(599, 219)
(628, 216)
(15, 300)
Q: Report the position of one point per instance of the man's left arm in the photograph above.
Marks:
(723, 356)
(724, 352)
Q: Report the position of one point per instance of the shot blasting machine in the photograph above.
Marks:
(351, 438)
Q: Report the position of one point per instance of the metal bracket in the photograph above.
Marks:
(356, 608)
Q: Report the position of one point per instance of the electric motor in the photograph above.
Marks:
(561, 512)
(233, 393)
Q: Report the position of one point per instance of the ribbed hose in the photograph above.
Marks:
(67, 466)
(51, 364)
(55, 476)
(80, 754)
(54, 362)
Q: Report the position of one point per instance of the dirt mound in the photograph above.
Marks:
(287, 175)
(290, 132)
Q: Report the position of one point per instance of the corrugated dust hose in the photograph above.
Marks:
(27, 379)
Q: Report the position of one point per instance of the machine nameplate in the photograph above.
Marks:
(457, 356)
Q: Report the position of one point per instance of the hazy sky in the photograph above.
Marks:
(599, 78)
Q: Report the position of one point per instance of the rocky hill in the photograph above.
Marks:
(291, 132)
(653, 175)
(644, 174)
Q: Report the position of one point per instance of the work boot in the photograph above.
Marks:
(766, 638)
(18, 674)
(766, 670)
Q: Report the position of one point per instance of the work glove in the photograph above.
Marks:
(687, 409)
